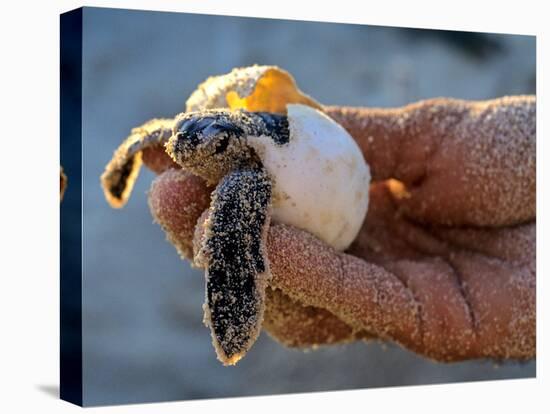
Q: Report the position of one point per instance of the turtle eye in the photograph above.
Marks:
(221, 144)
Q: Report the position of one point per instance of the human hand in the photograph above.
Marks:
(445, 262)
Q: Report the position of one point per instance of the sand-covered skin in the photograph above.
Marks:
(463, 162)
(449, 293)
(295, 325)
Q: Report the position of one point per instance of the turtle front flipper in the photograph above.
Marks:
(121, 172)
(233, 252)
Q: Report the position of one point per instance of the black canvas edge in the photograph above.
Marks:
(71, 387)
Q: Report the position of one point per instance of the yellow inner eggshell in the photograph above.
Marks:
(254, 88)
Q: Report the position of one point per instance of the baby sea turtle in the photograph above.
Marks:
(301, 168)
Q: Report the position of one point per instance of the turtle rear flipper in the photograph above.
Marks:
(234, 255)
(121, 172)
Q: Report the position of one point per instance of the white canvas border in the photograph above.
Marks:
(30, 91)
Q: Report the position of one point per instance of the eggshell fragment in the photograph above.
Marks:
(254, 88)
(321, 180)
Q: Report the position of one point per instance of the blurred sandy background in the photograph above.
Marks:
(143, 336)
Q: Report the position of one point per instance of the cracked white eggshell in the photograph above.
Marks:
(321, 180)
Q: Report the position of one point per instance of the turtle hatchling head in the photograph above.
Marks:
(211, 143)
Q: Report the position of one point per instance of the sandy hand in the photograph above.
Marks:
(445, 262)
